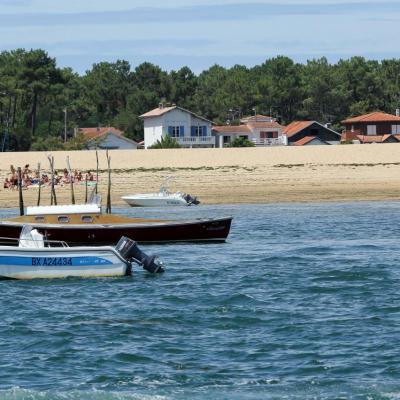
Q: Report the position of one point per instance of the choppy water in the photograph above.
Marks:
(302, 302)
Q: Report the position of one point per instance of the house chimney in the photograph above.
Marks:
(397, 112)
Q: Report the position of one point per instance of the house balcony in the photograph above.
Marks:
(279, 141)
(189, 141)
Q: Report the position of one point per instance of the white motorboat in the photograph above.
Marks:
(38, 258)
(161, 199)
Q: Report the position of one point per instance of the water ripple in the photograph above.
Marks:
(302, 302)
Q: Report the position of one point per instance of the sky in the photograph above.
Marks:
(200, 33)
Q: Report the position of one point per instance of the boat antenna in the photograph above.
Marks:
(21, 199)
(71, 181)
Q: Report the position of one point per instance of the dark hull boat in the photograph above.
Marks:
(91, 228)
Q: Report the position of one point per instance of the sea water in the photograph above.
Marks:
(302, 302)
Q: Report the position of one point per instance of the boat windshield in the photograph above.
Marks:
(164, 185)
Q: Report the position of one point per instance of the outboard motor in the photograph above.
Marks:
(130, 251)
(191, 200)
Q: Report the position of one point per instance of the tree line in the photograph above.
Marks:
(38, 99)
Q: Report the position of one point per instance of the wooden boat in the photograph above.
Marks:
(85, 225)
(36, 257)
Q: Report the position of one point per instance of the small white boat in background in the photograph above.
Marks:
(161, 199)
(32, 259)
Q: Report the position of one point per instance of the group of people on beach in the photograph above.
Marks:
(34, 178)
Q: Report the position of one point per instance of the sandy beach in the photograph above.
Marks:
(236, 175)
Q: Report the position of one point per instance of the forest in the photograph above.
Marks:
(39, 101)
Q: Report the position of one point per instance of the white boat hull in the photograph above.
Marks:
(28, 263)
(155, 201)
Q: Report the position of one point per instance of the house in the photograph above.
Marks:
(107, 138)
(260, 129)
(315, 133)
(186, 127)
(375, 127)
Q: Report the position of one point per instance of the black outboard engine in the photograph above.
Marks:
(130, 251)
(191, 200)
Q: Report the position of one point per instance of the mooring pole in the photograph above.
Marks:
(71, 181)
(40, 185)
(108, 208)
(21, 199)
(86, 189)
(53, 190)
(97, 169)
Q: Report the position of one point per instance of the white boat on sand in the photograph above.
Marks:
(161, 199)
(38, 258)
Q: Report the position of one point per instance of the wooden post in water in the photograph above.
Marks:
(97, 169)
(53, 191)
(71, 181)
(40, 185)
(21, 199)
(108, 208)
(86, 189)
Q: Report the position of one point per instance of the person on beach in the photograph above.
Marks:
(90, 176)
(7, 184)
(26, 170)
(66, 178)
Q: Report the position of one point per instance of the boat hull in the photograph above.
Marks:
(156, 201)
(48, 263)
(201, 230)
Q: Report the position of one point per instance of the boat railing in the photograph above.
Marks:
(60, 243)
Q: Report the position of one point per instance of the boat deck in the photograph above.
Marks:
(83, 219)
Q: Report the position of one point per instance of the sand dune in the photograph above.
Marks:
(243, 175)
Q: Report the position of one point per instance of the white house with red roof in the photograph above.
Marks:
(262, 130)
(107, 138)
(375, 127)
(186, 127)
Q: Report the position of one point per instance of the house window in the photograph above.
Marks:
(268, 135)
(226, 139)
(371, 129)
(198, 131)
(175, 131)
(395, 129)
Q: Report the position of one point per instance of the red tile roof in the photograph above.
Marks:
(374, 138)
(92, 133)
(295, 127)
(156, 112)
(231, 129)
(271, 124)
(350, 135)
(305, 140)
(256, 118)
(373, 117)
